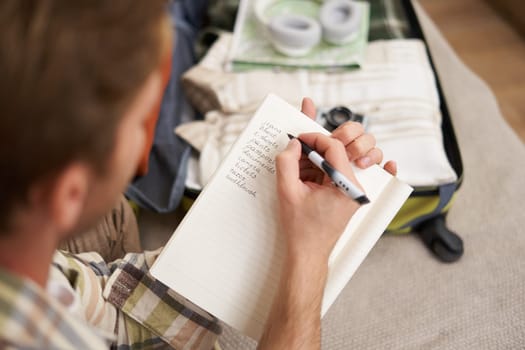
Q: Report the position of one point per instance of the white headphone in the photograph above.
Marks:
(295, 35)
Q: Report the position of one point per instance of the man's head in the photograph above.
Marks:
(77, 80)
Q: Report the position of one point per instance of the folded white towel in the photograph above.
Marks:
(213, 137)
(395, 88)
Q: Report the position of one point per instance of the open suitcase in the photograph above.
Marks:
(425, 211)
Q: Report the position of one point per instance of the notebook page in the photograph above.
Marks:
(226, 254)
(379, 213)
(373, 180)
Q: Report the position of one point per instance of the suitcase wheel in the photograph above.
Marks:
(444, 244)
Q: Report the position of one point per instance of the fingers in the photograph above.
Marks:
(391, 167)
(348, 132)
(360, 146)
(324, 144)
(287, 166)
(308, 107)
(331, 149)
(374, 156)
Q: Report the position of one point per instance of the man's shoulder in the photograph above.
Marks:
(29, 318)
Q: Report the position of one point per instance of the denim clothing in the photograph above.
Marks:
(161, 189)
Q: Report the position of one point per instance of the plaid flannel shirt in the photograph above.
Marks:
(119, 305)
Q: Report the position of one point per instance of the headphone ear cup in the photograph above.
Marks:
(294, 35)
(340, 20)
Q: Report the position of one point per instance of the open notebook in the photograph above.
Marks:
(226, 254)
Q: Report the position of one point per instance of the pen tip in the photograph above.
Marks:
(362, 200)
(291, 136)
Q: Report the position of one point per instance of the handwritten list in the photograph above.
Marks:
(257, 156)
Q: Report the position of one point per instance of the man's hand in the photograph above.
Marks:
(359, 146)
(313, 214)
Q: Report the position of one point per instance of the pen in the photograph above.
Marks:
(339, 180)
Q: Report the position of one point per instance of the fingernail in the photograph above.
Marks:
(365, 161)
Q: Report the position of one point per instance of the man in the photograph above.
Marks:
(79, 79)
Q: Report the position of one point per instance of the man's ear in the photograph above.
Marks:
(68, 197)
